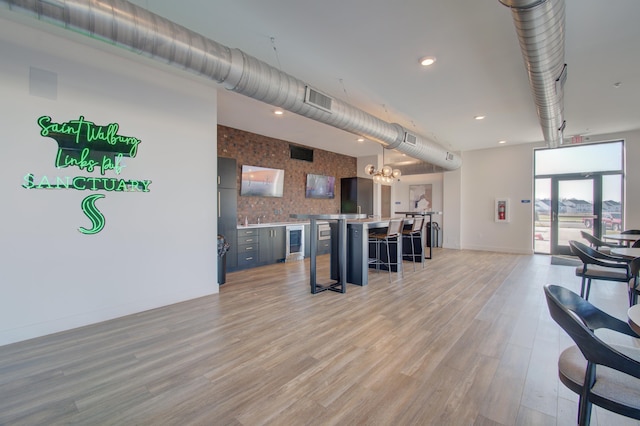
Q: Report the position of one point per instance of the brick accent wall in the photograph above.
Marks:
(257, 150)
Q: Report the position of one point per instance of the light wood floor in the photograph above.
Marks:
(466, 341)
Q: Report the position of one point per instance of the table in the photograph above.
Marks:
(429, 215)
(627, 239)
(341, 258)
(628, 252)
(634, 318)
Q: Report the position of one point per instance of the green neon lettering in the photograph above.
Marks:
(28, 181)
(145, 184)
(87, 132)
(44, 183)
(95, 134)
(93, 180)
(134, 185)
(109, 188)
(118, 166)
(122, 185)
(112, 132)
(79, 123)
(78, 179)
(106, 164)
(95, 216)
(84, 162)
(63, 182)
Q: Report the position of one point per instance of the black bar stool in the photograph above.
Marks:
(393, 235)
(415, 235)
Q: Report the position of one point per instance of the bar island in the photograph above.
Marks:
(338, 249)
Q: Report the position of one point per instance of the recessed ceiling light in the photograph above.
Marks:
(428, 60)
(479, 117)
(360, 139)
(278, 112)
(502, 142)
(617, 84)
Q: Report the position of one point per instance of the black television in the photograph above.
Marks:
(262, 181)
(319, 186)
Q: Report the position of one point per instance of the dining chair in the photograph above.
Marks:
(414, 235)
(634, 287)
(601, 374)
(599, 266)
(636, 244)
(631, 231)
(392, 236)
(597, 243)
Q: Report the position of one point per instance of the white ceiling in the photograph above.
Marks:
(366, 53)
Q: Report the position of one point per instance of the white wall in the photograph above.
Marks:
(507, 172)
(157, 248)
(400, 192)
(452, 208)
(496, 173)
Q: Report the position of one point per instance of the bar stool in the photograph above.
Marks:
(393, 235)
(415, 234)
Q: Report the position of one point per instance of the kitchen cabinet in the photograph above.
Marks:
(322, 247)
(248, 243)
(272, 241)
(356, 195)
(228, 207)
(227, 173)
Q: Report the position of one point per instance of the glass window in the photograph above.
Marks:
(597, 157)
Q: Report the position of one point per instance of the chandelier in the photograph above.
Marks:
(386, 175)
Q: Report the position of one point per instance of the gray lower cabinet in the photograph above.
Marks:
(323, 246)
(248, 248)
(307, 241)
(272, 244)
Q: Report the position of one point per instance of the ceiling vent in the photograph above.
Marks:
(317, 99)
(449, 156)
(410, 138)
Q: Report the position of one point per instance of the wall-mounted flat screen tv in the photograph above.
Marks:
(262, 181)
(319, 186)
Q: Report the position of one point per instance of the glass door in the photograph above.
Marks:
(577, 188)
(572, 211)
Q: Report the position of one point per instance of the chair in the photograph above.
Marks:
(636, 244)
(414, 235)
(597, 243)
(634, 289)
(601, 374)
(598, 266)
(393, 235)
(631, 231)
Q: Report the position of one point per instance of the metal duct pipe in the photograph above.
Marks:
(540, 28)
(127, 25)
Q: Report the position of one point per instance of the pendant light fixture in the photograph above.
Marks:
(386, 175)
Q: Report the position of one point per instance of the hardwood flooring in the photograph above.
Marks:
(465, 341)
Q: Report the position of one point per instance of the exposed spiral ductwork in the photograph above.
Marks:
(540, 28)
(127, 25)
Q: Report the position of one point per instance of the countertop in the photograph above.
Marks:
(329, 216)
(351, 219)
(270, 225)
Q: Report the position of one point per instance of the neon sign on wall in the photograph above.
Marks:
(88, 147)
